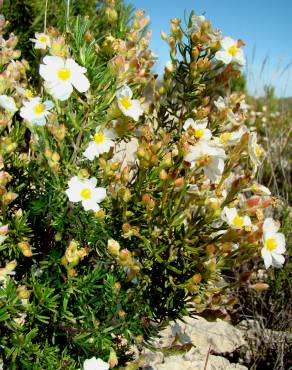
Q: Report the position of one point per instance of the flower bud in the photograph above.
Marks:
(124, 255)
(260, 287)
(163, 175)
(83, 174)
(9, 197)
(3, 230)
(111, 14)
(163, 36)
(179, 182)
(197, 278)
(113, 359)
(25, 249)
(146, 198)
(23, 292)
(113, 247)
(122, 314)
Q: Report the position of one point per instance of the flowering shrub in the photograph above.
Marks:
(97, 249)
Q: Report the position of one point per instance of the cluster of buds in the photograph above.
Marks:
(58, 131)
(73, 255)
(23, 294)
(124, 258)
(53, 159)
(25, 248)
(8, 51)
(131, 59)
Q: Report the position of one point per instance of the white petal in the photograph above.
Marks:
(91, 182)
(189, 122)
(40, 121)
(95, 364)
(90, 205)
(26, 113)
(239, 57)
(201, 123)
(80, 82)
(40, 45)
(247, 221)
(48, 72)
(267, 258)
(277, 260)
(123, 92)
(58, 90)
(135, 111)
(74, 67)
(91, 152)
(207, 134)
(227, 42)
(56, 62)
(73, 195)
(229, 214)
(99, 194)
(48, 104)
(75, 182)
(270, 226)
(280, 238)
(223, 56)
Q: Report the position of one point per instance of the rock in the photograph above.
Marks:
(217, 337)
(126, 152)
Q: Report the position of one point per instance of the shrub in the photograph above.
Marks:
(97, 253)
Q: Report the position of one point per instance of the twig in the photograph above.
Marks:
(207, 358)
(46, 13)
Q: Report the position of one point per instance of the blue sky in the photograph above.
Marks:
(265, 26)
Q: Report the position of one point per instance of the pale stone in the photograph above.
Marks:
(217, 337)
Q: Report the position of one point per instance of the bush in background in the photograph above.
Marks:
(98, 253)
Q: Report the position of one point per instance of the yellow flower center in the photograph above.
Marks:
(39, 108)
(199, 132)
(225, 137)
(64, 74)
(44, 39)
(99, 137)
(233, 50)
(271, 244)
(258, 151)
(126, 102)
(238, 221)
(29, 93)
(85, 193)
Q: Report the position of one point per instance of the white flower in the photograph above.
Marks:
(231, 52)
(231, 216)
(209, 156)
(256, 153)
(274, 244)
(35, 111)
(233, 137)
(95, 364)
(198, 128)
(61, 75)
(85, 191)
(101, 143)
(42, 41)
(220, 103)
(130, 107)
(8, 103)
